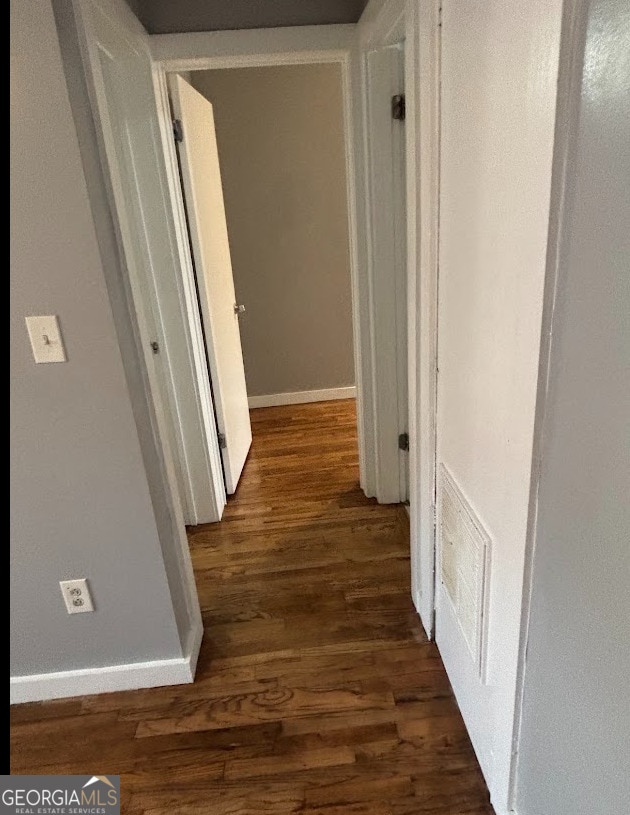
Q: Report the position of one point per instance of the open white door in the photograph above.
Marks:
(387, 212)
(119, 71)
(201, 179)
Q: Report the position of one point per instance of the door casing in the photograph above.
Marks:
(417, 25)
(182, 53)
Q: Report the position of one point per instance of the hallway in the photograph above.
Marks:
(316, 690)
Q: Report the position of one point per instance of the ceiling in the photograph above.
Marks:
(173, 16)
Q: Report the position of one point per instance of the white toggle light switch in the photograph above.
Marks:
(46, 339)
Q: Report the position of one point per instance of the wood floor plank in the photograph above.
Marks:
(317, 691)
(273, 705)
(361, 808)
(271, 798)
(336, 793)
(300, 760)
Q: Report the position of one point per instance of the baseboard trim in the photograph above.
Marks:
(301, 397)
(87, 681)
(193, 644)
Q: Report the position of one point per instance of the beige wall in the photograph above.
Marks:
(280, 137)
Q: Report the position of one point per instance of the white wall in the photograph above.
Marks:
(574, 748)
(499, 73)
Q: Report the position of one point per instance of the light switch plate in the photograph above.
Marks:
(45, 336)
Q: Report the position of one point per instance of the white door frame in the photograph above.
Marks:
(294, 46)
(383, 23)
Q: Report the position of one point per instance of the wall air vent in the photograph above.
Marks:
(464, 547)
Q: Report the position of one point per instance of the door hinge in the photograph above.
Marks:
(403, 441)
(222, 440)
(178, 130)
(155, 347)
(398, 107)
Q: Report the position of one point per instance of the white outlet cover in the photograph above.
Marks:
(76, 595)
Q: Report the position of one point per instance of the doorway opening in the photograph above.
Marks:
(283, 326)
(263, 174)
(131, 97)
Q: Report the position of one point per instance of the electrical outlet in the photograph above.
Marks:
(76, 595)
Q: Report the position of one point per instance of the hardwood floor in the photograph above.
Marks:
(316, 690)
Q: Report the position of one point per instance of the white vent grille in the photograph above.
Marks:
(464, 563)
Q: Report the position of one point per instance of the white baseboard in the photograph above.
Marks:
(193, 644)
(301, 397)
(86, 681)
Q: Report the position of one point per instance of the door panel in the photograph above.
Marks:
(201, 179)
(387, 210)
(118, 63)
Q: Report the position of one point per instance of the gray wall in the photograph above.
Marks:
(81, 504)
(165, 16)
(281, 148)
(575, 740)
